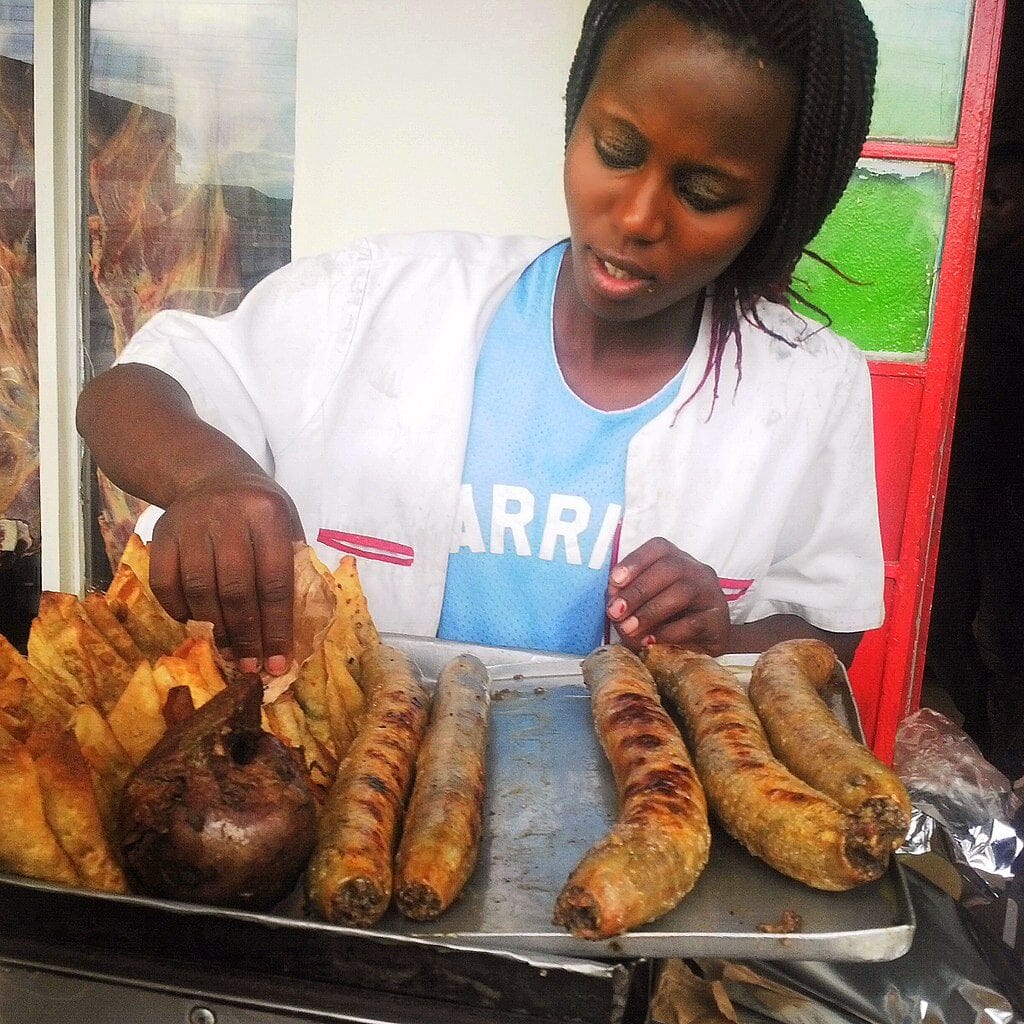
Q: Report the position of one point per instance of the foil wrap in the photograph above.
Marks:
(955, 790)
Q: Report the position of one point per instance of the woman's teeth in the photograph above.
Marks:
(617, 272)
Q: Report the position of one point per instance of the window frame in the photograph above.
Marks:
(891, 664)
(59, 127)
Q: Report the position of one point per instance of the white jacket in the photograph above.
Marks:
(349, 378)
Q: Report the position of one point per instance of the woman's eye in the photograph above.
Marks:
(618, 155)
(702, 195)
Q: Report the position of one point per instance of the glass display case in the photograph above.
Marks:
(146, 163)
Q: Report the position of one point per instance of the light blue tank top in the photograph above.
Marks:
(543, 488)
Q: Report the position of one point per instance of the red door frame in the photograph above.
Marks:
(887, 672)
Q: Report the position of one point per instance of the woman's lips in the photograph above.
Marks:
(617, 279)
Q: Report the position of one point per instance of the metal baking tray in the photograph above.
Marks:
(550, 795)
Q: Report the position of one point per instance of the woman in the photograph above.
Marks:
(491, 422)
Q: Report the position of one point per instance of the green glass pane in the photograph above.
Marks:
(922, 55)
(886, 234)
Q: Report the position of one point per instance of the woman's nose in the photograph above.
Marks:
(640, 208)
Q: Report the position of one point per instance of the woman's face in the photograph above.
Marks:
(671, 165)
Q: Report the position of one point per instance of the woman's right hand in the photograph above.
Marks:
(222, 553)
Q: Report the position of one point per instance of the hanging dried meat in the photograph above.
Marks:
(155, 245)
(19, 379)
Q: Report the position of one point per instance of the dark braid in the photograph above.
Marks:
(830, 48)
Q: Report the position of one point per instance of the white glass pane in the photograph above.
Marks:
(922, 57)
(191, 120)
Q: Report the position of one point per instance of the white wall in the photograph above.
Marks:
(419, 114)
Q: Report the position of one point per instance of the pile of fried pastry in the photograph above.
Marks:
(89, 704)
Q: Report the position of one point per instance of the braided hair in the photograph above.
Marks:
(829, 48)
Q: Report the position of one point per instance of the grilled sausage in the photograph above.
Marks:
(785, 822)
(349, 877)
(441, 833)
(806, 737)
(657, 849)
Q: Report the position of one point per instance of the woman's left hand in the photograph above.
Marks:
(659, 593)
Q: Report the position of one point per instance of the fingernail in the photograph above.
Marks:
(630, 625)
(649, 641)
(617, 608)
(277, 664)
(249, 665)
(619, 574)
